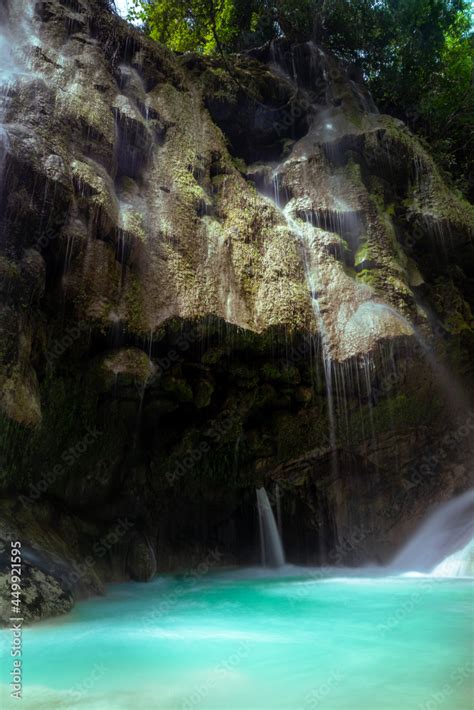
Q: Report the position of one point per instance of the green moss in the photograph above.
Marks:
(428, 195)
(281, 373)
(69, 406)
(132, 223)
(9, 271)
(301, 432)
(203, 393)
(265, 395)
(175, 385)
(415, 278)
(368, 277)
(353, 172)
(355, 116)
(455, 324)
(399, 412)
(245, 376)
(131, 365)
(213, 355)
(455, 312)
(240, 165)
(218, 84)
(94, 188)
(134, 300)
(362, 254)
(303, 395)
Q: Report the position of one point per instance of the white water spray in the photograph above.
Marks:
(459, 564)
(444, 543)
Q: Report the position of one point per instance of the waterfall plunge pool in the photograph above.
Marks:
(252, 639)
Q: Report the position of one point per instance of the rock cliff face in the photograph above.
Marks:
(216, 276)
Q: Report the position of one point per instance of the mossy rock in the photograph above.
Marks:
(177, 387)
(275, 372)
(127, 366)
(203, 391)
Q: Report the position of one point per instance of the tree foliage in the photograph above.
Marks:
(187, 25)
(416, 55)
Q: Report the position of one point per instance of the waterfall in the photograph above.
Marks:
(311, 276)
(459, 564)
(312, 281)
(270, 542)
(15, 47)
(278, 507)
(444, 541)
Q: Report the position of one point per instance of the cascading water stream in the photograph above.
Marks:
(270, 543)
(444, 542)
(313, 287)
(15, 47)
(459, 564)
(349, 224)
(312, 280)
(278, 508)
